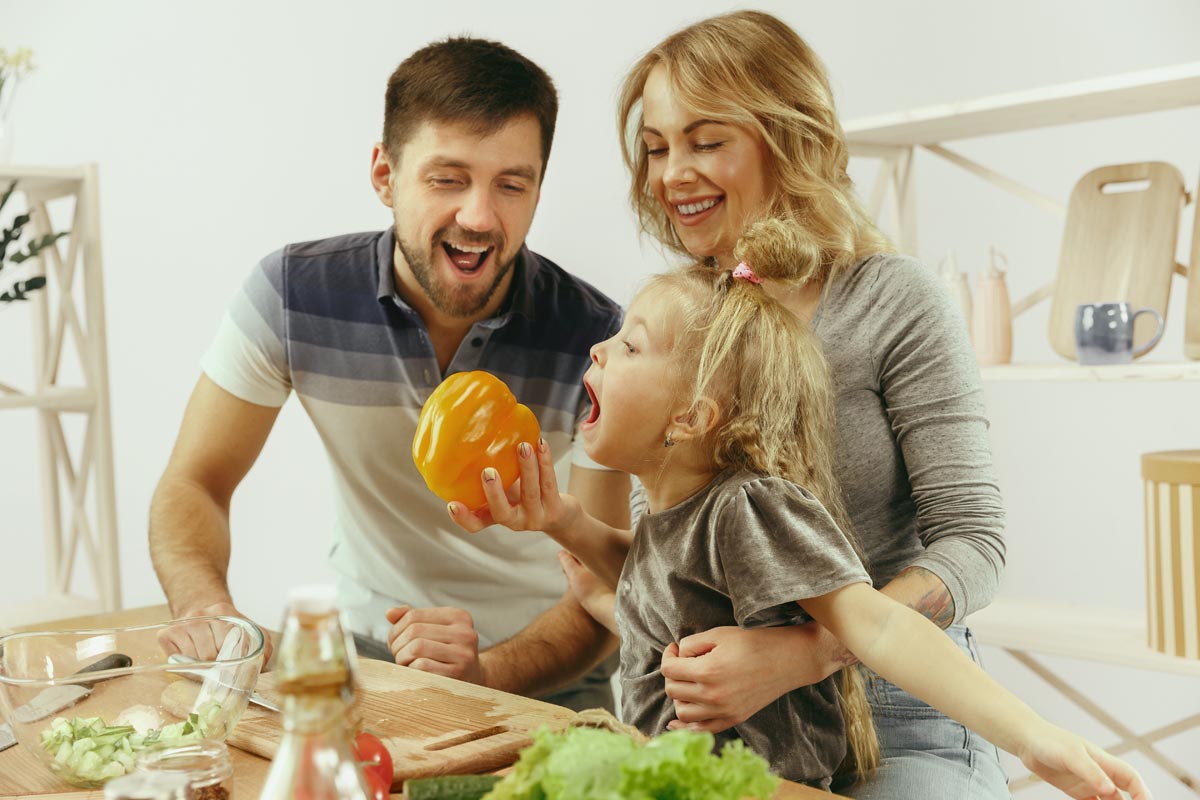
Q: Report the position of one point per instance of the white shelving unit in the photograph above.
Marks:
(58, 324)
(1143, 371)
(1023, 628)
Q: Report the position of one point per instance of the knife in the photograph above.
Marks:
(198, 676)
(56, 698)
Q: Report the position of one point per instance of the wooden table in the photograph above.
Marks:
(249, 771)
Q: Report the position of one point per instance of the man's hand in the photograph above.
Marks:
(722, 677)
(438, 640)
(202, 640)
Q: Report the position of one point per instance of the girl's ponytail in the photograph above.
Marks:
(780, 249)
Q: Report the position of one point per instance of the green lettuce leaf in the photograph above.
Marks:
(590, 764)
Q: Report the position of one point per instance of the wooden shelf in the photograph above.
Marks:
(1112, 636)
(1133, 93)
(78, 489)
(1144, 371)
(42, 184)
(58, 398)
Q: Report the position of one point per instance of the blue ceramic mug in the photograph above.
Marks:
(1104, 333)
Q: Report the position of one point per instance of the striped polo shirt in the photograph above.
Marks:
(324, 319)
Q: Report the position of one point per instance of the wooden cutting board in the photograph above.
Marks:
(1191, 337)
(431, 725)
(1118, 246)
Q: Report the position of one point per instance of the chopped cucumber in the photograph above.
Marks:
(88, 752)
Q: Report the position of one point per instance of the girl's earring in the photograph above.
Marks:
(668, 442)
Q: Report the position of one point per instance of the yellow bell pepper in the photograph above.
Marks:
(471, 421)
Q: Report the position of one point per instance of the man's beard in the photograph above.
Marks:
(455, 300)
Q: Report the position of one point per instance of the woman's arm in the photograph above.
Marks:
(904, 647)
(534, 503)
(928, 380)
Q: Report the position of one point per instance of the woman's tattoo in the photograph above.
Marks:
(843, 657)
(935, 602)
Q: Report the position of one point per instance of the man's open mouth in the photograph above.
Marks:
(467, 258)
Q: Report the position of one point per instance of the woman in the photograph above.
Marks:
(725, 122)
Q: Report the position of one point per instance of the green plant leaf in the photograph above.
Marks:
(12, 187)
(38, 245)
(12, 233)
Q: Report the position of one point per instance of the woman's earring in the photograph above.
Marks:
(668, 442)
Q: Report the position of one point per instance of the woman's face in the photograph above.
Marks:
(710, 177)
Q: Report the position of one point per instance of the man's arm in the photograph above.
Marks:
(554, 650)
(219, 440)
(565, 642)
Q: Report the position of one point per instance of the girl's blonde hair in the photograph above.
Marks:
(745, 352)
(750, 69)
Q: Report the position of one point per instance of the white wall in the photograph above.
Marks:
(225, 129)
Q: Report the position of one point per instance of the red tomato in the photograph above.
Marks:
(376, 763)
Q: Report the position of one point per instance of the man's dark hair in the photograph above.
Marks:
(476, 82)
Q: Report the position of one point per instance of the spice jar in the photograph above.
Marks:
(147, 786)
(206, 765)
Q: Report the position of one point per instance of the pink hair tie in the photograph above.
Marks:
(744, 272)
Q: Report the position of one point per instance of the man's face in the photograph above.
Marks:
(463, 204)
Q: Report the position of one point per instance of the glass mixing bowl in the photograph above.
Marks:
(88, 703)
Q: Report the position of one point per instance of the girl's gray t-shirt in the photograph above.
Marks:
(741, 552)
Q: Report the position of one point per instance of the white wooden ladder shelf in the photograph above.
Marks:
(73, 273)
(893, 138)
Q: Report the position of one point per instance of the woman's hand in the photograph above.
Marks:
(533, 503)
(722, 677)
(596, 598)
(1078, 767)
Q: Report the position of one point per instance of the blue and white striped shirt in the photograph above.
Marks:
(324, 319)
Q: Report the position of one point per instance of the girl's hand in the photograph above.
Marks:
(597, 599)
(533, 503)
(1080, 768)
(722, 677)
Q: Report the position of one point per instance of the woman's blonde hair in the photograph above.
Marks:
(737, 347)
(750, 69)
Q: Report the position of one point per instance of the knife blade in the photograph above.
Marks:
(198, 677)
(56, 698)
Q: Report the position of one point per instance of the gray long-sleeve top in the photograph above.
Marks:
(913, 456)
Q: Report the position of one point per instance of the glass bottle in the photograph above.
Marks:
(314, 673)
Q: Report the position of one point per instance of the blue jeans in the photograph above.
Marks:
(925, 754)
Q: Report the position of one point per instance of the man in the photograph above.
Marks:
(362, 328)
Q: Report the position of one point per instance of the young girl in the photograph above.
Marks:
(719, 400)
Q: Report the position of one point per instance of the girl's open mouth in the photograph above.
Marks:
(594, 415)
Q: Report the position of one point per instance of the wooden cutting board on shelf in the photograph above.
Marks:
(1117, 246)
(1191, 337)
(431, 725)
